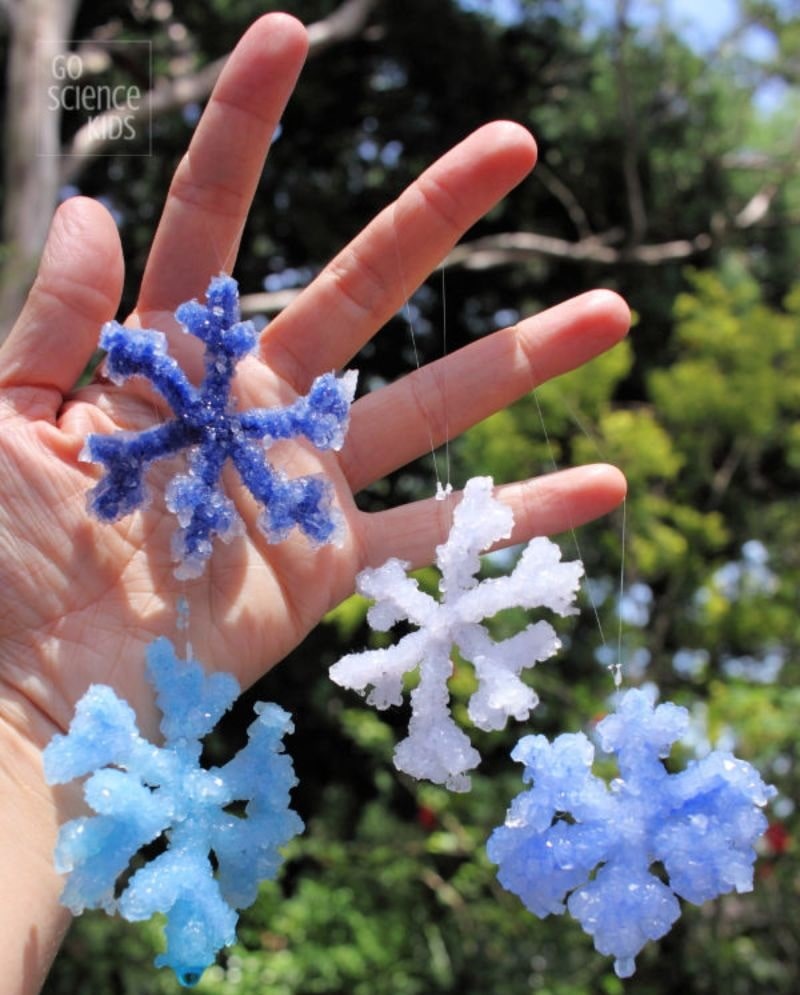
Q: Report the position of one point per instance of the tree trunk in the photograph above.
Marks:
(39, 29)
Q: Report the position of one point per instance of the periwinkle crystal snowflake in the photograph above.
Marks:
(436, 748)
(141, 792)
(206, 424)
(572, 837)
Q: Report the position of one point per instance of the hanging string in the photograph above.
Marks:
(448, 487)
(615, 668)
(212, 241)
(182, 624)
(183, 609)
(442, 490)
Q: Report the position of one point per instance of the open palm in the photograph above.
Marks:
(81, 598)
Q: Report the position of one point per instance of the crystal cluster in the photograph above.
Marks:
(574, 838)
(436, 749)
(141, 792)
(206, 425)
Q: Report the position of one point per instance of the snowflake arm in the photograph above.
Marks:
(501, 692)
(539, 580)
(139, 792)
(543, 864)
(623, 908)
(709, 851)
(303, 501)
(320, 416)
(396, 596)
(94, 852)
(126, 457)
(143, 352)
(572, 839)
(479, 521)
(436, 748)
(181, 882)
(207, 427)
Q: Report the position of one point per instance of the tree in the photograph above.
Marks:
(38, 163)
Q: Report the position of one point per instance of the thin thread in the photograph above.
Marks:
(441, 491)
(214, 243)
(616, 668)
(572, 530)
(448, 485)
(182, 623)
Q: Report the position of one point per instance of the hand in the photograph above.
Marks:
(82, 598)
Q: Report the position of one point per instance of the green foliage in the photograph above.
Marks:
(737, 368)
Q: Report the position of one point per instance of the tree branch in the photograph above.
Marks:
(556, 186)
(514, 247)
(518, 247)
(630, 155)
(267, 303)
(759, 204)
(346, 22)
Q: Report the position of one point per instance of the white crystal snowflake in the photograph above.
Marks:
(436, 749)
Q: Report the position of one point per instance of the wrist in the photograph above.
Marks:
(32, 922)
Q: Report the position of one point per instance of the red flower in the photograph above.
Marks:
(426, 817)
(777, 837)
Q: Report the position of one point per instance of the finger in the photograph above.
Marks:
(77, 288)
(371, 278)
(395, 424)
(213, 187)
(543, 505)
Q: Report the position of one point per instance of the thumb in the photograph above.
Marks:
(77, 288)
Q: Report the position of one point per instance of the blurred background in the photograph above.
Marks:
(669, 148)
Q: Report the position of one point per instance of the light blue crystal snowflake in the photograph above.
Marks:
(572, 834)
(436, 748)
(207, 426)
(141, 791)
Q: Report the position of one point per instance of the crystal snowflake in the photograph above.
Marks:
(574, 835)
(436, 748)
(206, 425)
(141, 791)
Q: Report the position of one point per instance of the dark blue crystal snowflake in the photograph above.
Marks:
(573, 841)
(140, 792)
(206, 425)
